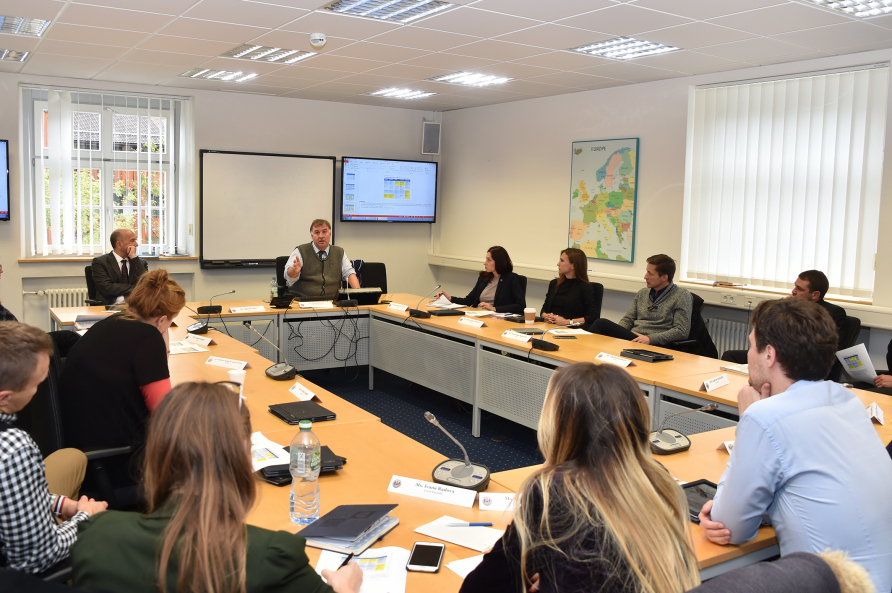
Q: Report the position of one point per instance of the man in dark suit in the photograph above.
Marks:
(116, 273)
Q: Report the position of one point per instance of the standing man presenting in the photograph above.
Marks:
(805, 451)
(317, 268)
(116, 273)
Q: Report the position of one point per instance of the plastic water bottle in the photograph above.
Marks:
(273, 288)
(306, 459)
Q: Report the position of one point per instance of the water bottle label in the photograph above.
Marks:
(301, 462)
(314, 462)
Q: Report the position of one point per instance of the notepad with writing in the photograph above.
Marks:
(350, 528)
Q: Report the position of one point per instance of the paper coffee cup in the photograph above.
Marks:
(239, 377)
(529, 315)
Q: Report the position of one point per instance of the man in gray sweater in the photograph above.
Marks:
(661, 312)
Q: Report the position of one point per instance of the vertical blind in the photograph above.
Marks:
(784, 176)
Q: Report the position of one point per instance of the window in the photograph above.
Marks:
(101, 161)
(783, 175)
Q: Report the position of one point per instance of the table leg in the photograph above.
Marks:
(475, 414)
(371, 354)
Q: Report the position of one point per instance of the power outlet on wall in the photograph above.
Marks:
(729, 299)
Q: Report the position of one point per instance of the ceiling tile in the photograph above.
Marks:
(97, 35)
(634, 72)
(345, 88)
(67, 66)
(172, 7)
(371, 79)
(470, 21)
(532, 87)
(450, 62)
(10, 66)
(420, 38)
(240, 12)
(835, 36)
(19, 42)
(342, 64)
(694, 35)
(379, 51)
(83, 50)
(705, 9)
(233, 65)
(571, 79)
(783, 18)
(285, 82)
(719, 68)
(305, 4)
(292, 40)
(212, 31)
(512, 70)
(138, 73)
(32, 9)
(754, 50)
(496, 50)
(193, 83)
(554, 37)
(307, 73)
(198, 47)
(624, 19)
(608, 85)
(409, 72)
(684, 61)
(811, 55)
(863, 47)
(315, 95)
(340, 25)
(257, 89)
(551, 10)
(114, 18)
(564, 60)
(165, 58)
(882, 21)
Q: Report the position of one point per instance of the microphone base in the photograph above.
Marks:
(419, 314)
(198, 328)
(281, 372)
(668, 442)
(543, 345)
(347, 303)
(477, 479)
(210, 310)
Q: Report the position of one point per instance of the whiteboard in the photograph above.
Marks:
(256, 207)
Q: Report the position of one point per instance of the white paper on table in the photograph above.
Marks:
(265, 452)
(441, 301)
(301, 392)
(446, 306)
(570, 332)
(476, 538)
(495, 501)
(200, 340)
(184, 347)
(383, 569)
(88, 320)
(464, 566)
(856, 362)
(316, 305)
(478, 313)
(227, 363)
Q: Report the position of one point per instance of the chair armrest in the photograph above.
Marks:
(92, 302)
(103, 453)
(683, 343)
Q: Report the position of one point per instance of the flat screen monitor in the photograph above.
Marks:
(4, 183)
(386, 190)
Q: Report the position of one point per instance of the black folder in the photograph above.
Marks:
(294, 412)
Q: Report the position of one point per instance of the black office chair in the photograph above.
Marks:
(91, 300)
(280, 272)
(598, 290)
(851, 327)
(523, 284)
(373, 275)
(51, 580)
(699, 341)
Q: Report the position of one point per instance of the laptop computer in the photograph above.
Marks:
(294, 412)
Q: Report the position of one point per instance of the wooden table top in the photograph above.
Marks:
(223, 345)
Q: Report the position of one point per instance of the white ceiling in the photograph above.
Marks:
(153, 41)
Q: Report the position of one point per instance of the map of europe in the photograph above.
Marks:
(602, 198)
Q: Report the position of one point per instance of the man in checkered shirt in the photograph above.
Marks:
(31, 539)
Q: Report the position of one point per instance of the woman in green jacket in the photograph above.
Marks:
(200, 485)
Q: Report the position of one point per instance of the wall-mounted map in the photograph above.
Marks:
(603, 179)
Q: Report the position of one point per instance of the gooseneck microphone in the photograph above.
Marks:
(281, 371)
(210, 309)
(665, 442)
(416, 312)
(201, 327)
(457, 472)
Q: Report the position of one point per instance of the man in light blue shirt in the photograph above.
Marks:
(805, 450)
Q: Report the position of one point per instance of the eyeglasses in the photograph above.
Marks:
(235, 388)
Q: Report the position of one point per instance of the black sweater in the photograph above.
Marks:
(571, 300)
(509, 298)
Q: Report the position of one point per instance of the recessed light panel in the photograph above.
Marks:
(16, 25)
(400, 11)
(470, 79)
(11, 55)
(274, 55)
(224, 75)
(394, 93)
(857, 8)
(624, 48)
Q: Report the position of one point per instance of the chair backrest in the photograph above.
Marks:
(699, 332)
(523, 284)
(280, 269)
(598, 290)
(374, 274)
(849, 331)
(91, 286)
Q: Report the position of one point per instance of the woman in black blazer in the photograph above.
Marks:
(570, 298)
(498, 288)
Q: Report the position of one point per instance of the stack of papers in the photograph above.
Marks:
(476, 538)
(383, 569)
(856, 362)
(440, 302)
(265, 452)
(740, 369)
(185, 347)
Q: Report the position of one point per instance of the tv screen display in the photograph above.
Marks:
(382, 190)
(4, 183)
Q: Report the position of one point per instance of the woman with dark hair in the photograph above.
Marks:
(200, 486)
(570, 298)
(498, 287)
(601, 515)
(116, 374)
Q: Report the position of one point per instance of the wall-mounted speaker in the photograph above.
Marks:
(430, 138)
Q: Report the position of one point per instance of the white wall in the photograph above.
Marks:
(231, 121)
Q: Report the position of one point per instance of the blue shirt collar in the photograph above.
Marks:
(655, 294)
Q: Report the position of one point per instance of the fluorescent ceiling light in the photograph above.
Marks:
(273, 55)
(858, 8)
(624, 48)
(400, 11)
(470, 79)
(225, 75)
(11, 55)
(394, 93)
(16, 25)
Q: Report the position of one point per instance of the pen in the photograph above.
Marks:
(346, 560)
(469, 525)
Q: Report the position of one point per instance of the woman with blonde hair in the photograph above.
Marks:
(601, 515)
(200, 486)
(117, 373)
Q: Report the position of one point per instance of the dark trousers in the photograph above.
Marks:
(735, 356)
(605, 327)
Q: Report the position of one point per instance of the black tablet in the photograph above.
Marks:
(697, 494)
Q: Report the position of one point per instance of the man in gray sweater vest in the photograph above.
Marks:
(317, 268)
(661, 312)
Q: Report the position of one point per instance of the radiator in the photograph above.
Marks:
(728, 335)
(63, 297)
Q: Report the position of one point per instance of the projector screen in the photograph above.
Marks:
(4, 183)
(382, 190)
(256, 207)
